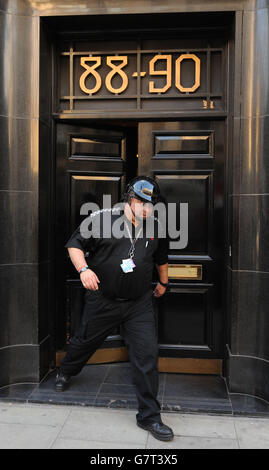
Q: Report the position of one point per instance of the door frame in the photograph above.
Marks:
(49, 115)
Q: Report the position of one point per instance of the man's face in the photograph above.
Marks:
(140, 208)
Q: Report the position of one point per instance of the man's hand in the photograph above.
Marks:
(89, 279)
(159, 290)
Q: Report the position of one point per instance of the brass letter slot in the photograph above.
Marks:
(185, 271)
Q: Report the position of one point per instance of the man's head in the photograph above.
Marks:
(141, 194)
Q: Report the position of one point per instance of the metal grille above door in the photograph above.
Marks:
(141, 75)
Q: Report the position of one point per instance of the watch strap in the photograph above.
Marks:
(164, 284)
(84, 268)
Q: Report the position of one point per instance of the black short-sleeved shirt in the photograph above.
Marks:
(104, 254)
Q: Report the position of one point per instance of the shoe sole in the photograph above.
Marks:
(60, 388)
(154, 434)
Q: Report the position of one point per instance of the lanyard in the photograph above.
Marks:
(132, 249)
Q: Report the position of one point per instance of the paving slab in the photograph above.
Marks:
(27, 436)
(111, 426)
(200, 425)
(82, 444)
(252, 433)
(193, 443)
(31, 414)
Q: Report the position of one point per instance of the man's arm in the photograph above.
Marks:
(77, 257)
(88, 278)
(163, 276)
(163, 272)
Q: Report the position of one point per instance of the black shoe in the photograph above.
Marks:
(158, 430)
(61, 382)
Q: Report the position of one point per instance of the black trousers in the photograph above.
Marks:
(138, 328)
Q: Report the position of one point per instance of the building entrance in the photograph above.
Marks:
(187, 158)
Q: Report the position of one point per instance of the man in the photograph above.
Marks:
(118, 280)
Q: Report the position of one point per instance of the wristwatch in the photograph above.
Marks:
(163, 283)
(83, 269)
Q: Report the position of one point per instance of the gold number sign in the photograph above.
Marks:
(117, 69)
(118, 62)
(197, 72)
(90, 69)
(167, 73)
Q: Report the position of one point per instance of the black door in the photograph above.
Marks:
(188, 160)
(90, 162)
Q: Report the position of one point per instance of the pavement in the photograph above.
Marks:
(44, 426)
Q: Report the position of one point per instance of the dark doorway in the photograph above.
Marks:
(187, 158)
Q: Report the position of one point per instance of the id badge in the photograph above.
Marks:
(127, 265)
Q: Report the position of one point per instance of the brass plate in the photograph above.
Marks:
(101, 356)
(190, 365)
(185, 271)
(166, 364)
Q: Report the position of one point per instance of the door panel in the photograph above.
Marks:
(85, 188)
(186, 307)
(184, 144)
(187, 159)
(90, 162)
(196, 191)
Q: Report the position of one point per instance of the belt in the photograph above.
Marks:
(119, 299)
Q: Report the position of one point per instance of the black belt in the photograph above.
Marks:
(119, 299)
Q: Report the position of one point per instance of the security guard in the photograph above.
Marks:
(118, 281)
